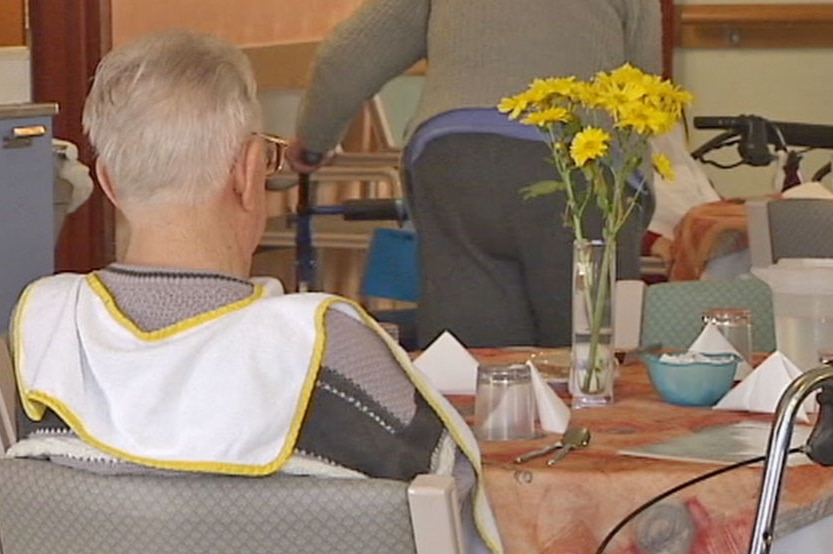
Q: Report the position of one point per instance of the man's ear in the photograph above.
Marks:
(249, 175)
(105, 182)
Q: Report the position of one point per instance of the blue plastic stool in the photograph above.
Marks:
(392, 272)
(392, 267)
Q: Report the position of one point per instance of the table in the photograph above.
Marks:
(568, 508)
(707, 232)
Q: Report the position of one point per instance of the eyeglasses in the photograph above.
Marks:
(275, 149)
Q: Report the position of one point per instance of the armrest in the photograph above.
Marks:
(333, 173)
(390, 158)
(627, 324)
(757, 224)
(8, 392)
(435, 515)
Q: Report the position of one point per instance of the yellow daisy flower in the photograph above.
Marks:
(589, 144)
(514, 106)
(663, 166)
(549, 116)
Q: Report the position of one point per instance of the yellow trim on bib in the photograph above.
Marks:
(75, 423)
(112, 307)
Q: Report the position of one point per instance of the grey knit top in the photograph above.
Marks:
(477, 53)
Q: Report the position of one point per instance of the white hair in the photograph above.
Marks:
(168, 115)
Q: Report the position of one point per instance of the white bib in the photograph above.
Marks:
(223, 392)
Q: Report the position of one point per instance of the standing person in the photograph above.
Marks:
(173, 358)
(496, 269)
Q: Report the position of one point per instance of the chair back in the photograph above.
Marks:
(789, 228)
(46, 507)
(672, 312)
(8, 394)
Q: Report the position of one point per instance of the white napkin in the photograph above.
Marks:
(553, 413)
(448, 365)
(712, 341)
(762, 389)
(452, 370)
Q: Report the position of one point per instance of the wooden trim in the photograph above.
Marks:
(282, 66)
(288, 65)
(754, 26)
(12, 26)
(68, 38)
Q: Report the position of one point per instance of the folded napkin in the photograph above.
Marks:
(553, 413)
(761, 390)
(448, 365)
(453, 370)
(712, 341)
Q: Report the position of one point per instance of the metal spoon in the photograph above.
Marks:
(571, 435)
(574, 438)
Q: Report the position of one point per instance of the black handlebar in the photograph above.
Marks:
(753, 128)
(374, 209)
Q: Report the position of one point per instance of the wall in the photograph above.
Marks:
(784, 85)
(15, 82)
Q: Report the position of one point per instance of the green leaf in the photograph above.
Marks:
(541, 188)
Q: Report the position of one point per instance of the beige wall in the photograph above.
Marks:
(15, 81)
(785, 85)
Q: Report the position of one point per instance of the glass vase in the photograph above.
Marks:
(592, 364)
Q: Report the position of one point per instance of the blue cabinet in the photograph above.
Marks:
(27, 178)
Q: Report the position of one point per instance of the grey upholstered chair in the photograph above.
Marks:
(46, 507)
(789, 228)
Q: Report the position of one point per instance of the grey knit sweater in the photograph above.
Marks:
(477, 52)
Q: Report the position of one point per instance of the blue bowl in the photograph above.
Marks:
(697, 383)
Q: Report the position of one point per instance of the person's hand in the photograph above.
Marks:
(303, 161)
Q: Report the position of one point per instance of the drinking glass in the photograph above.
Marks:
(504, 406)
(736, 325)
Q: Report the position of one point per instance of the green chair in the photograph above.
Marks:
(672, 312)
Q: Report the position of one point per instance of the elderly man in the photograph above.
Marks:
(172, 358)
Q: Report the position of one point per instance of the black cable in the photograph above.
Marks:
(714, 473)
(722, 166)
(822, 172)
(720, 141)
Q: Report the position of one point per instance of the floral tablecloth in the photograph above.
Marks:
(569, 508)
(706, 232)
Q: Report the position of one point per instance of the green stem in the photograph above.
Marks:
(596, 294)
